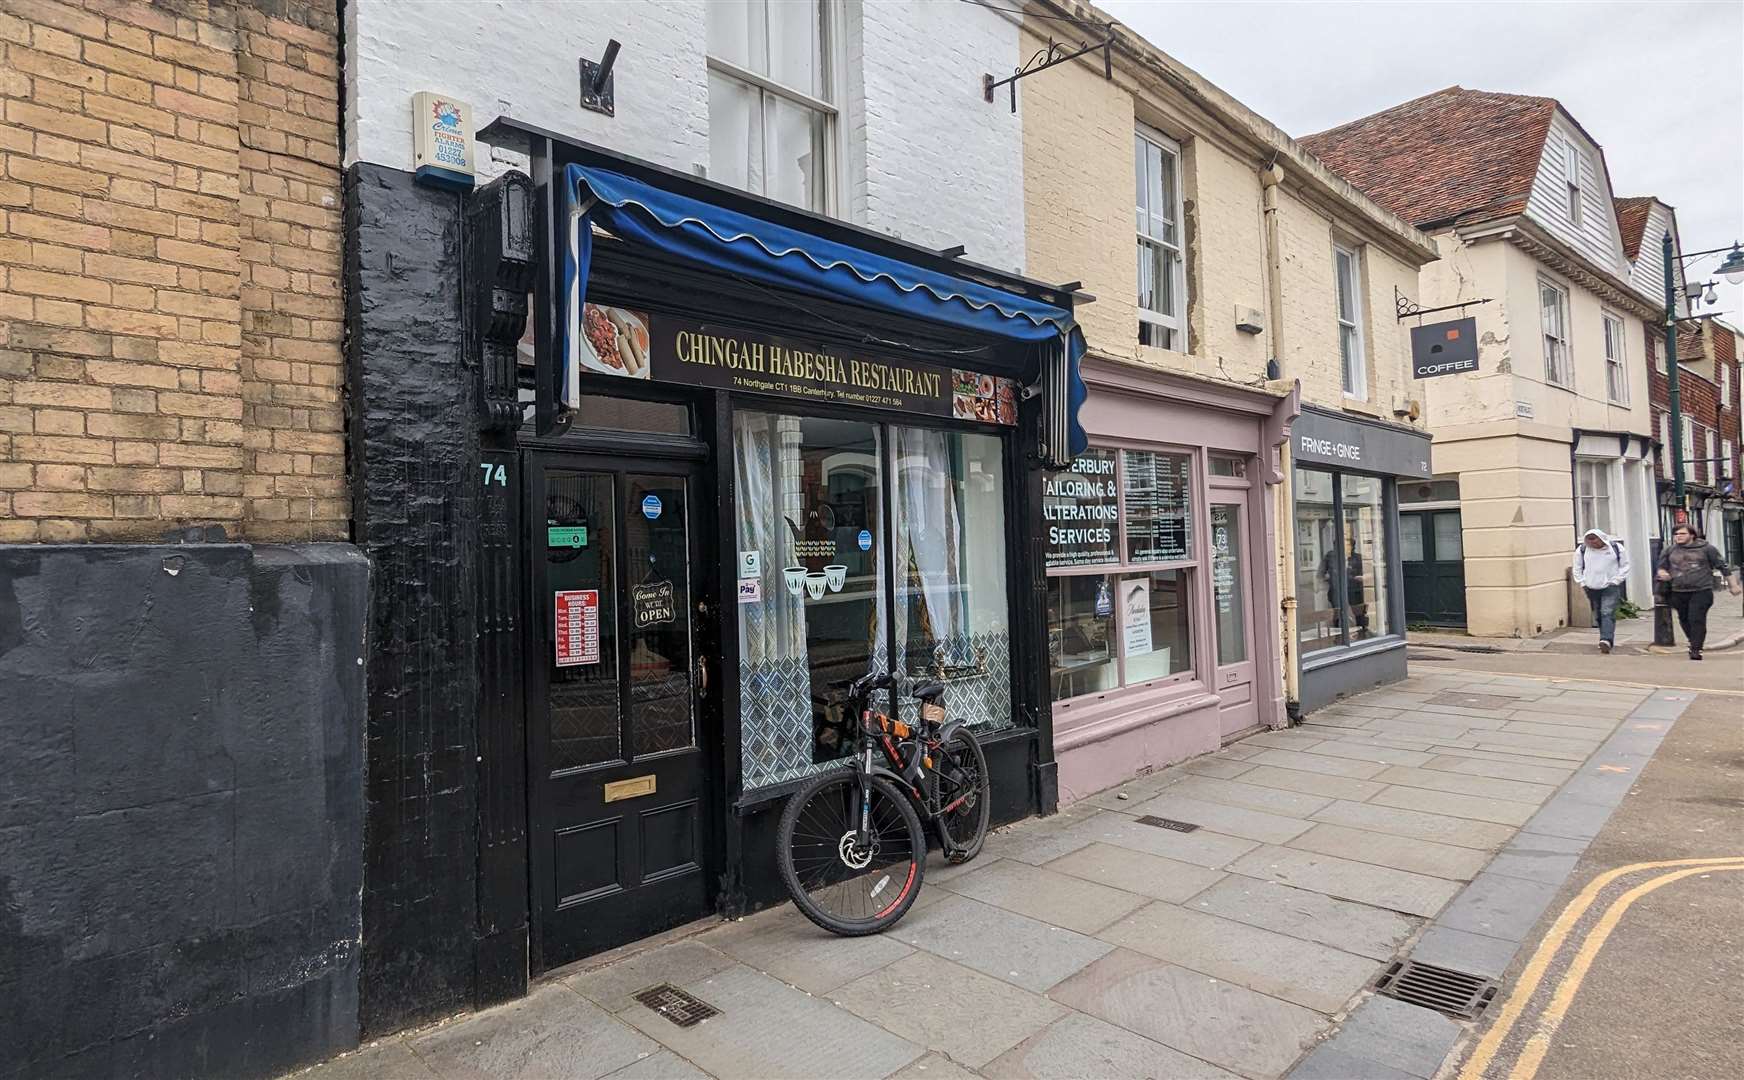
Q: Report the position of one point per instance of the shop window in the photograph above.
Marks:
(1120, 559)
(1553, 320)
(812, 494)
(1162, 283)
(1616, 370)
(1347, 273)
(1343, 591)
(1593, 496)
(1440, 489)
(772, 117)
(1228, 466)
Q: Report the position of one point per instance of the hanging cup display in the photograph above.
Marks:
(836, 577)
(795, 577)
(814, 585)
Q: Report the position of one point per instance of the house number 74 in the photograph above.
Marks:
(494, 474)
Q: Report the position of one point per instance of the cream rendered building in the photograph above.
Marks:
(1552, 434)
(1249, 297)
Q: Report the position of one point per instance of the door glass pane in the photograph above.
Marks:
(1156, 632)
(1159, 518)
(1449, 543)
(581, 618)
(810, 520)
(1080, 635)
(1226, 584)
(952, 608)
(1319, 618)
(1365, 557)
(657, 565)
(1411, 537)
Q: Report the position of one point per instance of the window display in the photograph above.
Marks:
(1342, 566)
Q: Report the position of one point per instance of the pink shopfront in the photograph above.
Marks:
(1162, 600)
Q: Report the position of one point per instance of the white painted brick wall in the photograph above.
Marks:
(927, 159)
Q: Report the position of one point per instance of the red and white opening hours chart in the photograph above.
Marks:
(578, 639)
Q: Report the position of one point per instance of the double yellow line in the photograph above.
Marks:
(1532, 1054)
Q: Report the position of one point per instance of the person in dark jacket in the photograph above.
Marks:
(1690, 569)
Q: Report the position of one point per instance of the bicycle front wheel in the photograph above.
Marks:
(849, 884)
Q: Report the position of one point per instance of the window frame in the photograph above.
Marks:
(1597, 468)
(1725, 459)
(1571, 175)
(832, 56)
(1616, 359)
(1554, 363)
(1188, 568)
(1174, 324)
(1390, 511)
(1354, 370)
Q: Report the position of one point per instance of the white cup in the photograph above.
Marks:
(795, 576)
(837, 576)
(814, 586)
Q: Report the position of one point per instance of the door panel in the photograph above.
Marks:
(618, 779)
(1432, 550)
(1231, 617)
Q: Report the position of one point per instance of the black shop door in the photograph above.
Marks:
(620, 718)
(1432, 549)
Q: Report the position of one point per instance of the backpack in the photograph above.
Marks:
(1616, 549)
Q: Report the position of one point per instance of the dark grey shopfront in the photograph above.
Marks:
(1350, 607)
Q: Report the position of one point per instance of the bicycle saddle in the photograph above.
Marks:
(929, 692)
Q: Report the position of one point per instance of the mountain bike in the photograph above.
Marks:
(850, 844)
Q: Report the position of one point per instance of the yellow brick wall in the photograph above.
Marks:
(170, 317)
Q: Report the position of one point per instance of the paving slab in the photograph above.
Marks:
(1449, 805)
(1223, 818)
(934, 1067)
(1055, 898)
(1205, 1017)
(785, 944)
(1571, 818)
(1014, 948)
(1251, 796)
(1226, 768)
(664, 1065)
(1415, 854)
(1499, 906)
(1363, 750)
(1310, 783)
(1078, 1046)
(1381, 886)
(1326, 1063)
(386, 1059)
(1543, 844)
(1204, 847)
(1486, 787)
(1331, 766)
(1354, 928)
(1305, 972)
(1323, 720)
(1504, 770)
(1511, 755)
(1398, 1035)
(1288, 739)
(1601, 725)
(550, 1032)
(615, 986)
(769, 1030)
(1463, 950)
(1515, 747)
(942, 1006)
(1137, 872)
(1138, 789)
(1400, 821)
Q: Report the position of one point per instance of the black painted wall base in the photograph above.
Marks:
(1356, 670)
(181, 805)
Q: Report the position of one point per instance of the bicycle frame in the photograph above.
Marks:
(912, 777)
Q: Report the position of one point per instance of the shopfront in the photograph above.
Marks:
(1160, 594)
(1354, 554)
(750, 470)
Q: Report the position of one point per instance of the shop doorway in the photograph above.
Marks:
(1230, 590)
(620, 717)
(1432, 551)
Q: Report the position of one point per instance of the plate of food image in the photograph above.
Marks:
(614, 341)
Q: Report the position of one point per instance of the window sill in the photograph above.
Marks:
(1361, 406)
(1094, 719)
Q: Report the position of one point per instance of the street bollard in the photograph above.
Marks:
(1662, 625)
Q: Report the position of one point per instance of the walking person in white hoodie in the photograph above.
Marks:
(1601, 565)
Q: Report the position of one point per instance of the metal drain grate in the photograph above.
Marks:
(676, 1005)
(1458, 994)
(1167, 823)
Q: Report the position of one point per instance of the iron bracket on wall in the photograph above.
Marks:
(499, 279)
(1404, 307)
(1044, 59)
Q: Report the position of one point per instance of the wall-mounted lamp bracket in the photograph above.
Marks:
(597, 90)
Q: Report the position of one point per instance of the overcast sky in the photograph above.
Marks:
(1659, 85)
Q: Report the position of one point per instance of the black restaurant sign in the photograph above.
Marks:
(1445, 348)
(652, 345)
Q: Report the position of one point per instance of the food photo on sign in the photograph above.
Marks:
(614, 341)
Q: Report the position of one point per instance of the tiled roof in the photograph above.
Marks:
(1449, 155)
(1632, 219)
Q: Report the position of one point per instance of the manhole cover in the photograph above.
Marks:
(676, 1005)
(1167, 823)
(1476, 701)
(1459, 994)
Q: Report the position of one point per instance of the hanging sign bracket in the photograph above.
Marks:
(1055, 54)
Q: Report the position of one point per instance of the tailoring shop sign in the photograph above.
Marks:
(636, 344)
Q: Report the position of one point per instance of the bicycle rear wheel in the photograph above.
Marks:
(843, 886)
(965, 796)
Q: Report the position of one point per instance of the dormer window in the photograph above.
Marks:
(1571, 169)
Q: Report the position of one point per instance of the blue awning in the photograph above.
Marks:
(784, 257)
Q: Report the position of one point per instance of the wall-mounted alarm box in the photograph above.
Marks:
(443, 151)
